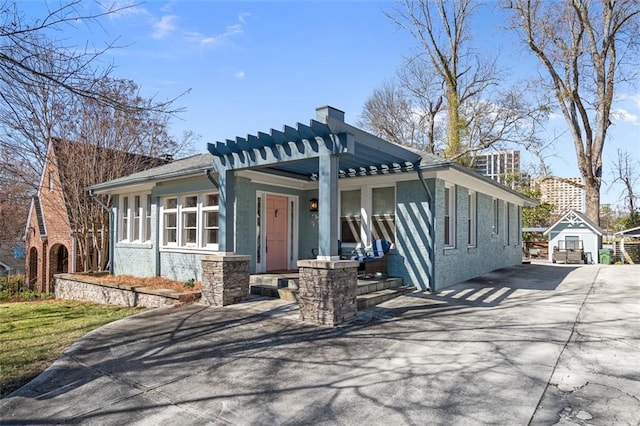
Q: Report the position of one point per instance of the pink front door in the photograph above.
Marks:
(276, 233)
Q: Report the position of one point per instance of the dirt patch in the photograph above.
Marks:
(154, 283)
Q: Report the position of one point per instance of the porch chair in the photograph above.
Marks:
(373, 260)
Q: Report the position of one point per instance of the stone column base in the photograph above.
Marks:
(225, 279)
(328, 291)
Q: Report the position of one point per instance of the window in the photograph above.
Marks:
(350, 216)
(170, 221)
(125, 219)
(137, 211)
(135, 218)
(572, 242)
(471, 229)
(191, 221)
(505, 224)
(50, 181)
(383, 213)
(496, 217)
(210, 213)
(147, 219)
(449, 215)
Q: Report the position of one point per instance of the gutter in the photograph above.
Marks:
(93, 195)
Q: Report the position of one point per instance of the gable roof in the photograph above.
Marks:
(571, 216)
(631, 232)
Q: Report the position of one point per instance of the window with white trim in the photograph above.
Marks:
(350, 216)
(383, 213)
(472, 219)
(379, 205)
(124, 211)
(170, 221)
(505, 223)
(147, 219)
(137, 211)
(496, 216)
(135, 218)
(191, 221)
(210, 209)
(449, 215)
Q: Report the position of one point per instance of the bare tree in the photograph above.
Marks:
(625, 171)
(394, 114)
(110, 143)
(583, 45)
(51, 92)
(447, 78)
(441, 28)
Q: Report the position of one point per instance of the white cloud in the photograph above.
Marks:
(220, 39)
(239, 75)
(164, 27)
(622, 115)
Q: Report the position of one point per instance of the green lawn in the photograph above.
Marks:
(34, 334)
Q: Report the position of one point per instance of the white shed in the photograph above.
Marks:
(575, 230)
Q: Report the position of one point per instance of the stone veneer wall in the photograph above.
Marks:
(225, 279)
(328, 291)
(74, 289)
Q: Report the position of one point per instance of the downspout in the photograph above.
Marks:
(430, 249)
(207, 173)
(110, 211)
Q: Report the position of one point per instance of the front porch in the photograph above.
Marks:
(285, 285)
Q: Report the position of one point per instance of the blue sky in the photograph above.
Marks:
(256, 65)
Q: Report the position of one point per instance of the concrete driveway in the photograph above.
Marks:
(539, 344)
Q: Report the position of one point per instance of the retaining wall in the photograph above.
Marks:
(90, 289)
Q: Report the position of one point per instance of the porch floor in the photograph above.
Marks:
(284, 285)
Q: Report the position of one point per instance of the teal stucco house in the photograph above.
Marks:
(314, 191)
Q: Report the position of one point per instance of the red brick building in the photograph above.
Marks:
(50, 246)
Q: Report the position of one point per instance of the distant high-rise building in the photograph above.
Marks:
(497, 165)
(564, 193)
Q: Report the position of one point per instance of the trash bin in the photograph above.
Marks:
(605, 256)
(588, 259)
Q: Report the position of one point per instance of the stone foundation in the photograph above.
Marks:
(225, 279)
(328, 291)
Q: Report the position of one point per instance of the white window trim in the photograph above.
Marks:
(473, 219)
(179, 211)
(495, 218)
(452, 216)
(366, 211)
(135, 236)
(505, 223)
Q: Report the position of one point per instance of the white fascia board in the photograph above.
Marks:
(479, 185)
(276, 180)
(127, 189)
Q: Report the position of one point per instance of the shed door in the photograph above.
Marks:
(276, 244)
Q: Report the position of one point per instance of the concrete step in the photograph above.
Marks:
(369, 286)
(275, 280)
(268, 290)
(375, 298)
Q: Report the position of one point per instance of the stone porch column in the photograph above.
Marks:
(225, 279)
(328, 291)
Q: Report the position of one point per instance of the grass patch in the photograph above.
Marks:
(34, 334)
